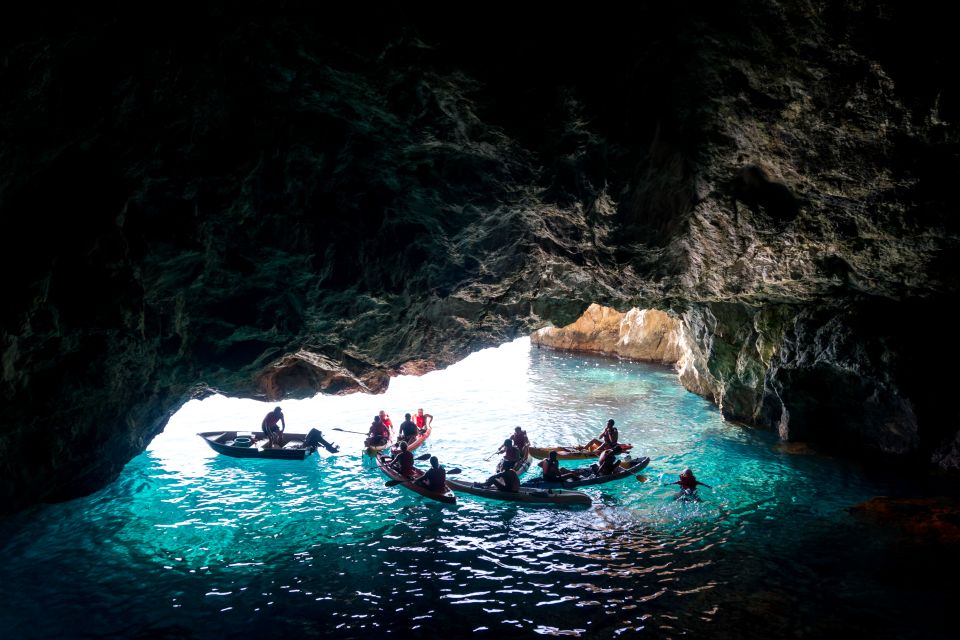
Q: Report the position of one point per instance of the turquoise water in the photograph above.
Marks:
(190, 544)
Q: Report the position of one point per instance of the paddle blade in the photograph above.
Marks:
(642, 478)
(452, 472)
(392, 483)
(423, 457)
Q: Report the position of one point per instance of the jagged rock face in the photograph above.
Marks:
(275, 206)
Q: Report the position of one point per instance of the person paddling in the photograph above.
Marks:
(378, 435)
(511, 456)
(607, 462)
(688, 486)
(403, 461)
(435, 478)
(507, 480)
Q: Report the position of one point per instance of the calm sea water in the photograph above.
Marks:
(190, 544)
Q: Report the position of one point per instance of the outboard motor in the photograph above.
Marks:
(315, 439)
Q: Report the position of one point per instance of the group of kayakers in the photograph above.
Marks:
(515, 449)
(411, 427)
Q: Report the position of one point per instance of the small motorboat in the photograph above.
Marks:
(255, 444)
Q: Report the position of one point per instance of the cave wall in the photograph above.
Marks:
(272, 204)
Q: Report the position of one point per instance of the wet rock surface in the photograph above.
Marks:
(275, 204)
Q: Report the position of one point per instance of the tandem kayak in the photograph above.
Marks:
(588, 478)
(579, 452)
(376, 449)
(446, 495)
(537, 496)
(416, 442)
(521, 466)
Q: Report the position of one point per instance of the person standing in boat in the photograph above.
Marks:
(507, 480)
(606, 440)
(435, 478)
(688, 486)
(270, 429)
(378, 435)
(422, 419)
(403, 461)
(511, 456)
(408, 430)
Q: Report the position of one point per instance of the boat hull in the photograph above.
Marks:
(533, 496)
(619, 474)
(446, 496)
(570, 453)
(224, 442)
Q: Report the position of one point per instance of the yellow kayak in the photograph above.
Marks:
(579, 452)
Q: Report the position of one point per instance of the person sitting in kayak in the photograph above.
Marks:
(607, 463)
(435, 477)
(408, 430)
(520, 439)
(511, 456)
(606, 440)
(403, 461)
(385, 419)
(378, 435)
(506, 480)
(552, 472)
(421, 419)
(688, 485)
(270, 428)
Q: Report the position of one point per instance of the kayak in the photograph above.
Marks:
(419, 440)
(579, 452)
(374, 450)
(445, 496)
(588, 478)
(526, 494)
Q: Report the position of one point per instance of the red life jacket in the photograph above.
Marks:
(420, 420)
